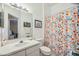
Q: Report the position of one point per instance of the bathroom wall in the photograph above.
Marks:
(26, 17)
(37, 11)
(54, 8)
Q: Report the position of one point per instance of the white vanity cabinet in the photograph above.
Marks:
(31, 51)
(20, 53)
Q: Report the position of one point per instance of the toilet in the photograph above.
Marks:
(45, 51)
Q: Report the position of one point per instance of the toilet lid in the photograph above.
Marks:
(44, 48)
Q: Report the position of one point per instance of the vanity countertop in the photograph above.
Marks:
(12, 48)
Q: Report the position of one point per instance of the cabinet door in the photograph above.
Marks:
(21, 53)
(33, 51)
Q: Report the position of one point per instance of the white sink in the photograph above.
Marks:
(21, 44)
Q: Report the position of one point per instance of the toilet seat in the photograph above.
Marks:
(45, 50)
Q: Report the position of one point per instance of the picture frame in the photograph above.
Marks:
(38, 24)
(27, 24)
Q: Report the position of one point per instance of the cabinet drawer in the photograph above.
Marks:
(32, 49)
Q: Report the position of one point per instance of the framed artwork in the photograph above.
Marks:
(38, 24)
(27, 24)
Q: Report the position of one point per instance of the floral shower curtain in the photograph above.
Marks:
(62, 31)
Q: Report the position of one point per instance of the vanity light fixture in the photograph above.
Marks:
(19, 6)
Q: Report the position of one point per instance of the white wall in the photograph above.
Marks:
(26, 17)
(54, 8)
(37, 11)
